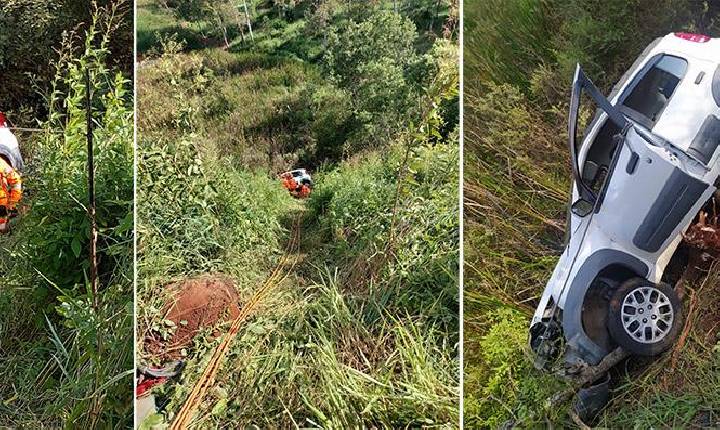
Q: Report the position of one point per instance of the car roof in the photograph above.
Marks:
(707, 48)
(692, 102)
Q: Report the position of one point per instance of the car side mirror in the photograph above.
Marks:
(582, 208)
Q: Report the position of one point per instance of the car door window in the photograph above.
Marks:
(653, 91)
(599, 155)
(602, 149)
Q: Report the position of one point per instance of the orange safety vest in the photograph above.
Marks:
(289, 182)
(10, 185)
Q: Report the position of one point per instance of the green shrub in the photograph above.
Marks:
(355, 205)
(65, 348)
(55, 233)
(503, 384)
(373, 57)
(195, 214)
(27, 58)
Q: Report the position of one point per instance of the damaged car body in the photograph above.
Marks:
(646, 165)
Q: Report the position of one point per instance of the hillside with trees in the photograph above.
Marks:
(357, 323)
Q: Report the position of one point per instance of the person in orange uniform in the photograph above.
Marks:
(288, 181)
(10, 193)
(11, 163)
(298, 182)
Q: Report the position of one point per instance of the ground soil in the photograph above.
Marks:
(195, 304)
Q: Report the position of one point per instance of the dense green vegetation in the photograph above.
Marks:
(66, 358)
(364, 330)
(519, 57)
(35, 30)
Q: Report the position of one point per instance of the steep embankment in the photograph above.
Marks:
(352, 332)
(362, 327)
(519, 57)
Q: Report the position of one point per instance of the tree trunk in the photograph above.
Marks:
(247, 19)
(223, 27)
(435, 17)
(225, 37)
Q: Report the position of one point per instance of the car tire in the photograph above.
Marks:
(645, 318)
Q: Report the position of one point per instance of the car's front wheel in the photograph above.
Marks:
(645, 318)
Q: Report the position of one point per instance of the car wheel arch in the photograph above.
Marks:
(578, 342)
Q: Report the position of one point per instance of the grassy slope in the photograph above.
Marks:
(516, 182)
(154, 22)
(328, 347)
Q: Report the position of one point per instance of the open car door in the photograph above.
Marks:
(645, 194)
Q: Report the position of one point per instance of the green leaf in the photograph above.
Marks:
(76, 247)
(219, 407)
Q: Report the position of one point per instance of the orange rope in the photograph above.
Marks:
(207, 379)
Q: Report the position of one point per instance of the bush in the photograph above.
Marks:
(197, 215)
(27, 61)
(356, 206)
(57, 230)
(372, 56)
(504, 384)
(66, 348)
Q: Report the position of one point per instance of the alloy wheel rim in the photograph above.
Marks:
(647, 315)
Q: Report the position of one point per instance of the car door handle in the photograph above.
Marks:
(632, 163)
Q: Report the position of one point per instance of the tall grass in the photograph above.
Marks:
(518, 63)
(324, 356)
(506, 39)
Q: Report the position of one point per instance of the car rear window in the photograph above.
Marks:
(654, 90)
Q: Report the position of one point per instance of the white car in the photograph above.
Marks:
(302, 177)
(646, 165)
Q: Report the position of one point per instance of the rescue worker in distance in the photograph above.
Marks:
(298, 182)
(11, 164)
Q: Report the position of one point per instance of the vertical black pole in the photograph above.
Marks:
(91, 191)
